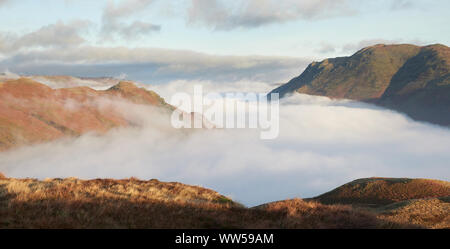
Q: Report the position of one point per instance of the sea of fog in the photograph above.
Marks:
(322, 144)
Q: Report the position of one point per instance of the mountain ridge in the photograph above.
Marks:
(32, 112)
(407, 78)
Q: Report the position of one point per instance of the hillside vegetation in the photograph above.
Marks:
(382, 191)
(427, 212)
(133, 203)
(31, 112)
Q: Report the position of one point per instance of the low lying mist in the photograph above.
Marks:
(322, 143)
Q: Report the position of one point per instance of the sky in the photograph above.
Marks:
(156, 41)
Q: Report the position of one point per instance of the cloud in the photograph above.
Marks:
(153, 64)
(125, 8)
(60, 35)
(353, 47)
(7, 75)
(326, 48)
(229, 15)
(139, 28)
(402, 4)
(223, 15)
(114, 14)
(323, 143)
(208, 86)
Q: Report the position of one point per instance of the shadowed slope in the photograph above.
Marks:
(311, 214)
(421, 88)
(382, 191)
(362, 76)
(429, 212)
(104, 203)
(132, 203)
(411, 79)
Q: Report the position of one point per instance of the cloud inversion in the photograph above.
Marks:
(323, 143)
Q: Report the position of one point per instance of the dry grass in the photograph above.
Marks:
(430, 212)
(421, 202)
(128, 189)
(297, 213)
(102, 203)
(381, 191)
(132, 203)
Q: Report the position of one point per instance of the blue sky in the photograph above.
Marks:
(287, 33)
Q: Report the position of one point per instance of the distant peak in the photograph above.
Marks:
(124, 85)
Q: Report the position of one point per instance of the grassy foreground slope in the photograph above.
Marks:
(420, 202)
(382, 191)
(132, 203)
(427, 212)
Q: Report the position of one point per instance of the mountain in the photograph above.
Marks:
(408, 78)
(134, 203)
(31, 112)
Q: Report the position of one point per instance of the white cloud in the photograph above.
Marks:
(113, 20)
(402, 4)
(60, 35)
(153, 64)
(325, 48)
(125, 8)
(138, 28)
(6, 75)
(208, 86)
(323, 143)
